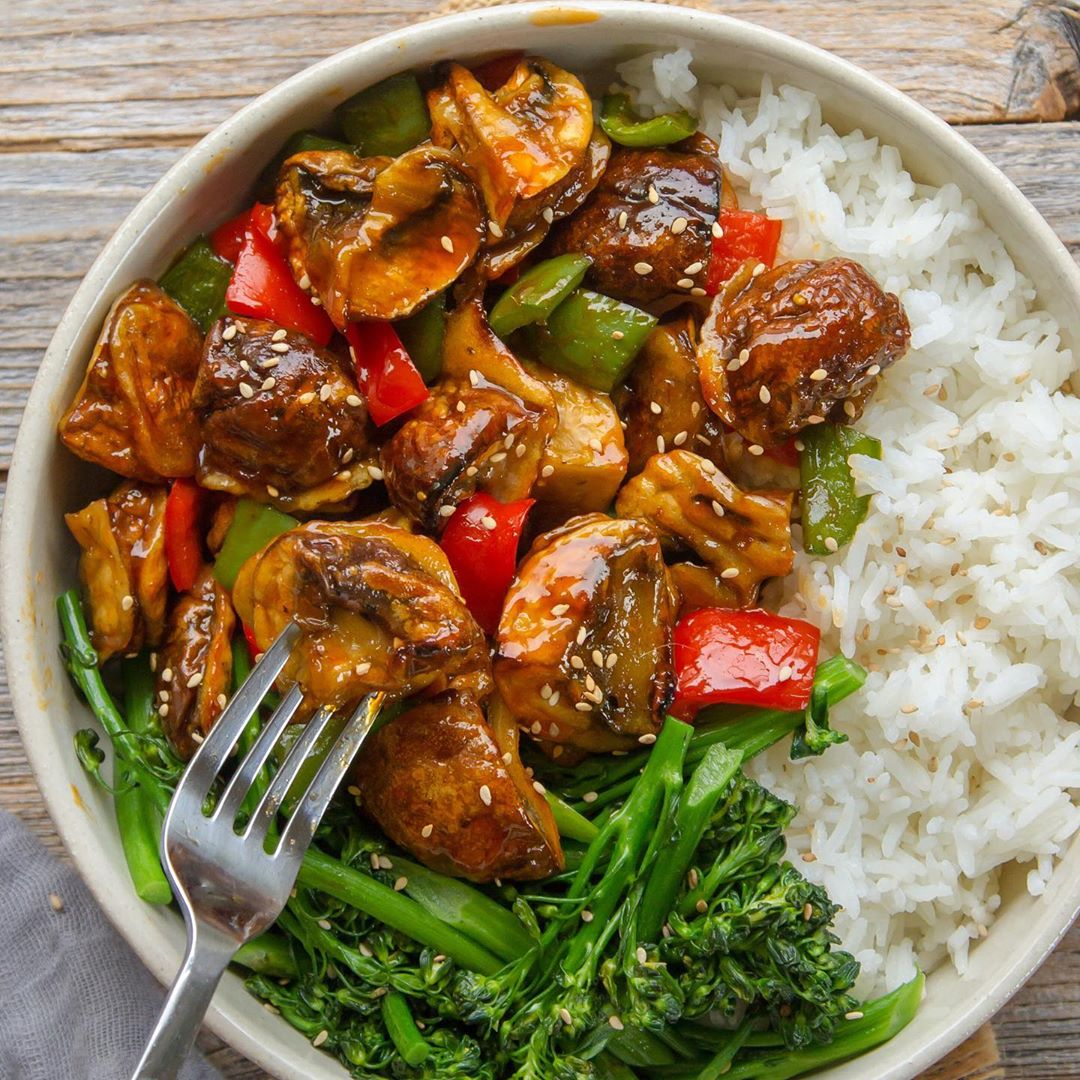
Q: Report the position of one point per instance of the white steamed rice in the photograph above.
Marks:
(961, 592)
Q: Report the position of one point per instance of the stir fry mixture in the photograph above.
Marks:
(504, 400)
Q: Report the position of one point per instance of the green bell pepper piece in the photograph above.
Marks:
(197, 282)
(623, 126)
(253, 527)
(831, 510)
(387, 118)
(592, 338)
(537, 293)
(422, 335)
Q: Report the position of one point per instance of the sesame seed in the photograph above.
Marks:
(590, 797)
(616, 1023)
(385, 863)
(660, 446)
(488, 522)
(163, 710)
(809, 857)
(560, 609)
(831, 544)
(623, 218)
(655, 408)
(679, 225)
(280, 347)
(729, 573)
(717, 231)
(128, 602)
(586, 916)
(653, 195)
(642, 268)
(400, 884)
(685, 283)
(874, 369)
(306, 398)
(166, 675)
(764, 396)
(316, 302)
(553, 701)
(597, 445)
(348, 456)
(680, 438)
(701, 907)
(222, 700)
(279, 335)
(539, 788)
(647, 739)
(246, 391)
(819, 375)
(598, 658)
(195, 680)
(697, 290)
(474, 377)
(304, 283)
(509, 440)
(320, 1038)
(326, 924)
(815, 419)
(447, 510)
(718, 509)
(374, 861)
(756, 450)
(617, 335)
(485, 794)
(164, 695)
(229, 332)
(495, 229)
(583, 706)
(447, 244)
(519, 451)
(508, 758)
(853, 1015)
(325, 391)
(565, 1017)
(272, 491)
(582, 634)
(375, 472)
(758, 270)
(785, 673)
(500, 456)
(269, 362)
(548, 214)
(354, 400)
(692, 878)
(612, 660)
(982, 622)
(694, 268)
(577, 663)
(547, 470)
(363, 668)
(849, 409)
(269, 383)
(734, 365)
(590, 683)
(907, 710)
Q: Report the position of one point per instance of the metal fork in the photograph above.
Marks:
(227, 885)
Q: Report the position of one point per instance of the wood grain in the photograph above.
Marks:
(96, 101)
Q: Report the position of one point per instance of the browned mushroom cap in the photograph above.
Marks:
(377, 240)
(437, 783)
(744, 538)
(801, 343)
(485, 427)
(281, 420)
(194, 666)
(378, 608)
(132, 413)
(662, 404)
(531, 219)
(584, 644)
(123, 568)
(648, 224)
(522, 138)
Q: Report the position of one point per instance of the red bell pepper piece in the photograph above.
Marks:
(743, 658)
(183, 544)
(227, 239)
(263, 286)
(481, 542)
(385, 372)
(744, 235)
(493, 73)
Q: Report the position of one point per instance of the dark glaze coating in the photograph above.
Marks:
(675, 495)
(665, 373)
(795, 319)
(688, 184)
(198, 645)
(425, 771)
(370, 235)
(132, 413)
(378, 607)
(485, 427)
(520, 139)
(312, 451)
(610, 575)
(123, 555)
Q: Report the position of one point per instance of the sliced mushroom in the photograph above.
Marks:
(485, 427)
(583, 653)
(662, 404)
(438, 784)
(744, 538)
(123, 568)
(194, 665)
(801, 343)
(280, 419)
(378, 608)
(523, 137)
(132, 413)
(648, 225)
(377, 240)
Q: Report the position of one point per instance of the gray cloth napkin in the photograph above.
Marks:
(75, 1002)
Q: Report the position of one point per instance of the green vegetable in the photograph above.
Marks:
(537, 293)
(269, 954)
(137, 818)
(622, 125)
(387, 118)
(814, 736)
(253, 527)
(571, 824)
(403, 1030)
(422, 335)
(197, 282)
(592, 338)
(831, 510)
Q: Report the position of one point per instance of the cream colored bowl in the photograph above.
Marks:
(212, 181)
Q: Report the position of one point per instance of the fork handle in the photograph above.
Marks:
(208, 955)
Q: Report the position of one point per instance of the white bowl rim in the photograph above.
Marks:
(192, 168)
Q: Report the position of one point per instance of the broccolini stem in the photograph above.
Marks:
(268, 954)
(571, 824)
(402, 1029)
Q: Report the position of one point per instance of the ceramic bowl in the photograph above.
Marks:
(210, 182)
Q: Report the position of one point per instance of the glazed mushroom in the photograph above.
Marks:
(439, 783)
(377, 239)
(132, 413)
(743, 538)
(485, 427)
(583, 650)
(648, 225)
(280, 419)
(662, 404)
(522, 138)
(123, 568)
(377, 606)
(797, 345)
(194, 665)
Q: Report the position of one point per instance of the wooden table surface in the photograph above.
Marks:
(97, 100)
